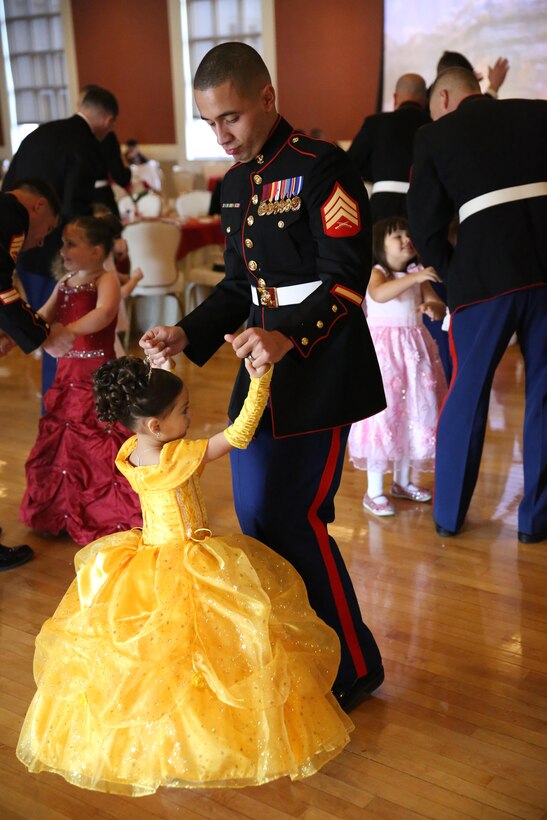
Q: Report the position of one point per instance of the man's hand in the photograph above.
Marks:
(161, 343)
(497, 73)
(6, 343)
(59, 341)
(263, 347)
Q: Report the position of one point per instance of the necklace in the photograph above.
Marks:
(146, 450)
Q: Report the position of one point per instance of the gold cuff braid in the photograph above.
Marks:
(241, 432)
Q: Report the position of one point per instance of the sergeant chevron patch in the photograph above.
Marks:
(15, 245)
(340, 214)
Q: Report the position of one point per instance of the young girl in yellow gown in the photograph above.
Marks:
(177, 657)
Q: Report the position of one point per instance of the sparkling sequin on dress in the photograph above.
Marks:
(72, 481)
(182, 659)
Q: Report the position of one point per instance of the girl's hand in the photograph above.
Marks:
(435, 310)
(161, 343)
(253, 372)
(426, 275)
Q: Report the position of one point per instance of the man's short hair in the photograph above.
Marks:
(236, 62)
(39, 187)
(93, 96)
(457, 77)
(453, 59)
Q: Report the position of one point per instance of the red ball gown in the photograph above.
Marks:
(72, 480)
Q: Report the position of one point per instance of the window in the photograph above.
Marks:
(206, 23)
(36, 74)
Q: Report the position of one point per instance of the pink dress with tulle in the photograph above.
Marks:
(414, 385)
(72, 481)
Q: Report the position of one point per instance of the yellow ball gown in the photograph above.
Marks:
(178, 658)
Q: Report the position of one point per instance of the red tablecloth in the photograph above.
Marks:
(197, 233)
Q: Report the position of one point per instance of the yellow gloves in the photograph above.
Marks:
(241, 432)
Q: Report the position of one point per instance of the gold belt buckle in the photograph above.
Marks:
(267, 296)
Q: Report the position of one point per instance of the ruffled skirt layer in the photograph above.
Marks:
(194, 665)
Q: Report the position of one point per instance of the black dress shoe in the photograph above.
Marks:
(11, 557)
(525, 538)
(360, 689)
(444, 533)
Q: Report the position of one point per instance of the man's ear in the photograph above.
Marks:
(39, 204)
(267, 96)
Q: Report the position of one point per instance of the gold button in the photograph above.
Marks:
(254, 199)
(295, 139)
(249, 243)
(250, 220)
(258, 179)
(252, 265)
(280, 224)
(319, 324)
(334, 309)
(260, 160)
(305, 341)
(261, 283)
(228, 229)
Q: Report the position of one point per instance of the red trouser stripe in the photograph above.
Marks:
(322, 536)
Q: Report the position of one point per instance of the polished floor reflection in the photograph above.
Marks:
(458, 728)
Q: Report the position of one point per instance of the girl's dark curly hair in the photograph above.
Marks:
(127, 389)
(380, 230)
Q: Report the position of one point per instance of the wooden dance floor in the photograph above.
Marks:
(458, 728)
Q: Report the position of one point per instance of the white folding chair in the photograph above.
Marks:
(152, 247)
(150, 205)
(183, 179)
(198, 283)
(193, 204)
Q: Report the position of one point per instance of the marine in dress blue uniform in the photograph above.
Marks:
(18, 321)
(66, 154)
(382, 149)
(486, 160)
(25, 327)
(298, 261)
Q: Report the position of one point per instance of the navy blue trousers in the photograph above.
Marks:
(479, 337)
(284, 496)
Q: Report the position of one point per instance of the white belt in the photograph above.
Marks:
(280, 297)
(101, 183)
(390, 186)
(479, 203)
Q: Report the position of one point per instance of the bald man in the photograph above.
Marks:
(486, 160)
(382, 150)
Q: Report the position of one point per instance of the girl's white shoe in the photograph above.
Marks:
(410, 492)
(379, 505)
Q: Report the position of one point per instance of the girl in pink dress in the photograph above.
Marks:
(403, 435)
(72, 481)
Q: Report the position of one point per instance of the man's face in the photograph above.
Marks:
(241, 124)
(42, 221)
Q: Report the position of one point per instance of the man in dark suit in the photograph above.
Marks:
(28, 214)
(382, 150)
(486, 160)
(66, 154)
(298, 246)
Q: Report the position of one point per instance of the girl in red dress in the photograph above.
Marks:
(72, 482)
